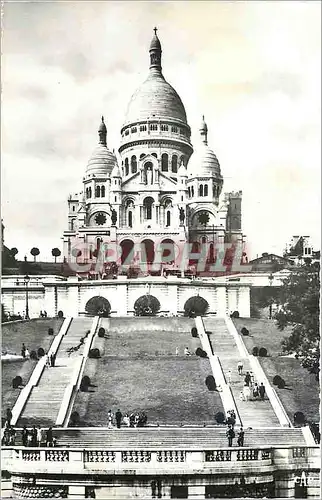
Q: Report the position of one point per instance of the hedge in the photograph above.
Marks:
(16, 382)
(210, 383)
(194, 331)
(40, 352)
(220, 417)
(244, 331)
(50, 331)
(299, 417)
(276, 379)
(94, 353)
(281, 384)
(262, 352)
(101, 332)
(33, 355)
(201, 353)
(255, 351)
(235, 314)
(60, 314)
(74, 418)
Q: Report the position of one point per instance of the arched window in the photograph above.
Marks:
(97, 192)
(201, 190)
(103, 191)
(126, 164)
(130, 218)
(206, 190)
(189, 192)
(147, 203)
(155, 155)
(133, 165)
(182, 160)
(90, 192)
(142, 156)
(174, 164)
(168, 218)
(204, 239)
(192, 191)
(164, 162)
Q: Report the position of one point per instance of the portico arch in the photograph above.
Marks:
(196, 306)
(127, 247)
(146, 305)
(149, 250)
(98, 306)
(168, 251)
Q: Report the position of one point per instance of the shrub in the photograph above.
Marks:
(235, 314)
(94, 353)
(198, 351)
(281, 384)
(101, 332)
(255, 351)
(203, 354)
(262, 352)
(299, 417)
(50, 331)
(40, 352)
(210, 383)
(194, 331)
(220, 417)
(33, 355)
(74, 418)
(86, 380)
(277, 379)
(16, 382)
(244, 331)
(60, 314)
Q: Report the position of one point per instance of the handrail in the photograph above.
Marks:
(36, 374)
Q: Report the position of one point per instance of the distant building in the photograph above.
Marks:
(300, 248)
(270, 262)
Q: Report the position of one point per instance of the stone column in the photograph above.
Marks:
(221, 301)
(49, 302)
(244, 302)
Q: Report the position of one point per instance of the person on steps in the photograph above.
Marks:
(118, 418)
(230, 435)
(24, 436)
(247, 378)
(240, 367)
(262, 391)
(240, 438)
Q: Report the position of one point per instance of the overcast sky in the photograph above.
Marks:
(252, 68)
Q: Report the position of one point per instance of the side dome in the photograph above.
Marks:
(155, 98)
(203, 162)
(102, 161)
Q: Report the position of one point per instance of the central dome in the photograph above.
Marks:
(155, 98)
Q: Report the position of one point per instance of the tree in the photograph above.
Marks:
(147, 305)
(34, 252)
(55, 253)
(13, 252)
(299, 298)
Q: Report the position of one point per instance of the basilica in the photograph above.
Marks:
(159, 189)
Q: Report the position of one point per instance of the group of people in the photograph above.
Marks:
(251, 389)
(138, 419)
(38, 437)
(25, 352)
(43, 314)
(50, 359)
(230, 433)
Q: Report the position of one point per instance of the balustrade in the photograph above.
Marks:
(31, 456)
(218, 456)
(171, 456)
(136, 456)
(99, 456)
(57, 455)
(247, 455)
(299, 452)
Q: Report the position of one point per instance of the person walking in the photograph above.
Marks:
(187, 352)
(177, 351)
(252, 378)
(47, 360)
(240, 438)
(118, 418)
(27, 354)
(49, 437)
(9, 415)
(126, 420)
(110, 419)
(255, 391)
(240, 367)
(230, 435)
(24, 436)
(51, 359)
(262, 391)
(246, 392)
(247, 379)
(39, 436)
(229, 377)
(23, 350)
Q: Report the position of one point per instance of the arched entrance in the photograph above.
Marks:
(149, 251)
(98, 306)
(196, 306)
(168, 253)
(127, 247)
(147, 305)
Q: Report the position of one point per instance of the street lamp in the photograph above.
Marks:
(270, 279)
(26, 280)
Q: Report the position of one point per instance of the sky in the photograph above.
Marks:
(252, 68)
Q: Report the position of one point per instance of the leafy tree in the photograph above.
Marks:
(195, 306)
(34, 252)
(13, 252)
(300, 295)
(147, 305)
(55, 253)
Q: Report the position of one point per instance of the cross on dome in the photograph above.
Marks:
(155, 30)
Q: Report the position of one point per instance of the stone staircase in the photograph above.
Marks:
(174, 438)
(252, 413)
(44, 402)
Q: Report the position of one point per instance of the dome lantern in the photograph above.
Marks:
(102, 161)
(203, 129)
(102, 132)
(155, 52)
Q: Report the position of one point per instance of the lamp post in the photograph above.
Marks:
(270, 279)
(26, 280)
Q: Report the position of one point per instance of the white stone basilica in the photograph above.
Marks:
(160, 190)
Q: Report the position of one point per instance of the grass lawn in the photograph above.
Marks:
(139, 370)
(302, 390)
(34, 334)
